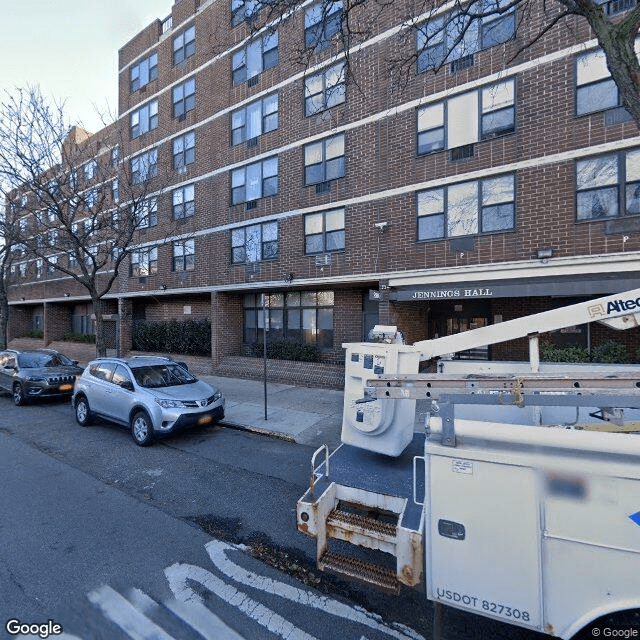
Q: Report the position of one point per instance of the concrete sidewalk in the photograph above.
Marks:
(304, 415)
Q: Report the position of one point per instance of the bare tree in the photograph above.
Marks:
(80, 207)
(433, 33)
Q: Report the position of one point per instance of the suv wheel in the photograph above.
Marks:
(18, 395)
(141, 428)
(83, 413)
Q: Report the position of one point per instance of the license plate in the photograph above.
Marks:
(204, 420)
(65, 387)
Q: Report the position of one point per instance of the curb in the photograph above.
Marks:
(253, 429)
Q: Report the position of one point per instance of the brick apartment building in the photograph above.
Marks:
(502, 185)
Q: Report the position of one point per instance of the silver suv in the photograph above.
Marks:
(153, 396)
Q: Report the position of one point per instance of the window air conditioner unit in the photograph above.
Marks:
(323, 260)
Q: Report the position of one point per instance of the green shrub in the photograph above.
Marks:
(551, 353)
(611, 352)
(187, 337)
(88, 338)
(38, 334)
(287, 350)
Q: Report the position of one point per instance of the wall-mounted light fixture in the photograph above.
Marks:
(289, 277)
(66, 295)
(163, 287)
(544, 253)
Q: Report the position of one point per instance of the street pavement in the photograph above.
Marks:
(304, 415)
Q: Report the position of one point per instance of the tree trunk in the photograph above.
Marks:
(101, 345)
(4, 319)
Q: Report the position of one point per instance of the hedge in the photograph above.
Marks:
(187, 337)
(609, 352)
(287, 350)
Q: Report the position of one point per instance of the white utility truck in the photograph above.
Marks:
(534, 524)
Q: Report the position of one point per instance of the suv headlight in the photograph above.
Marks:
(35, 378)
(217, 396)
(170, 404)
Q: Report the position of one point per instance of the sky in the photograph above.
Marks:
(69, 48)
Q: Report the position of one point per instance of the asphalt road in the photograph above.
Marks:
(192, 537)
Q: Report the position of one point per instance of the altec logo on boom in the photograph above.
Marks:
(617, 306)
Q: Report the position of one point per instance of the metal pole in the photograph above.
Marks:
(264, 350)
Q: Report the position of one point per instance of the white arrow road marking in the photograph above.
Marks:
(218, 553)
(178, 574)
(121, 612)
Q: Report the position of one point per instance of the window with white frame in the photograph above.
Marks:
(324, 160)
(467, 118)
(144, 166)
(254, 181)
(146, 213)
(144, 72)
(183, 202)
(144, 262)
(456, 35)
(467, 208)
(244, 10)
(39, 268)
(322, 21)
(608, 186)
(72, 261)
(23, 224)
(51, 215)
(595, 88)
(91, 198)
(22, 269)
(114, 156)
(184, 255)
(256, 57)
(184, 45)
(52, 237)
(144, 119)
(324, 232)
(325, 90)
(254, 243)
(115, 190)
(255, 119)
(184, 98)
(184, 150)
(52, 261)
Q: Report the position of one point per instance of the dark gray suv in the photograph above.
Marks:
(40, 373)
(152, 396)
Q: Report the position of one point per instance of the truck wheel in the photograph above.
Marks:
(83, 413)
(142, 428)
(18, 395)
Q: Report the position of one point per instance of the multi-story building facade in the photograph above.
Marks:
(506, 183)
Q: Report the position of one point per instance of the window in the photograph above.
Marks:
(114, 156)
(324, 90)
(254, 120)
(243, 10)
(595, 88)
(256, 57)
(431, 128)
(144, 262)
(464, 119)
(254, 181)
(72, 260)
(52, 237)
(144, 166)
(184, 255)
(324, 160)
(144, 119)
(39, 268)
(608, 186)
(614, 7)
(322, 21)
(324, 232)
(184, 204)
(184, 98)
(254, 243)
(91, 198)
(52, 261)
(467, 208)
(146, 213)
(115, 190)
(144, 72)
(184, 45)
(498, 114)
(90, 169)
(184, 150)
(457, 35)
(299, 316)
(23, 225)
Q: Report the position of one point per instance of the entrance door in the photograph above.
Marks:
(450, 319)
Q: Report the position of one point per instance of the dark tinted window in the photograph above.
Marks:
(102, 370)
